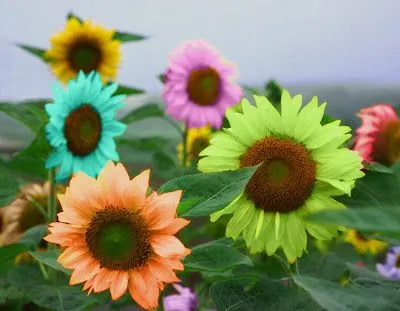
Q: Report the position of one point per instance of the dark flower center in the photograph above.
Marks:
(285, 179)
(203, 86)
(85, 56)
(119, 239)
(82, 130)
(387, 144)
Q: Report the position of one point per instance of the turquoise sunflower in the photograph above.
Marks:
(82, 126)
(303, 168)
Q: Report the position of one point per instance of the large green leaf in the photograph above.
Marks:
(46, 294)
(33, 236)
(145, 143)
(127, 90)
(265, 295)
(49, 258)
(30, 115)
(9, 186)
(366, 218)
(128, 37)
(215, 257)
(204, 194)
(143, 112)
(8, 254)
(164, 164)
(333, 296)
(31, 160)
(38, 52)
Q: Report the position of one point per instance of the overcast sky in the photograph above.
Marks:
(308, 41)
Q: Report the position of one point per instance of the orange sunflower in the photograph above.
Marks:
(118, 238)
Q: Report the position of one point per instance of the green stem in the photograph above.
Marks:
(283, 263)
(184, 137)
(173, 123)
(40, 208)
(52, 203)
(44, 271)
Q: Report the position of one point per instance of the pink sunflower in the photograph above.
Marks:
(378, 138)
(198, 87)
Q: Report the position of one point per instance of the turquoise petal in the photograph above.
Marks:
(65, 168)
(55, 158)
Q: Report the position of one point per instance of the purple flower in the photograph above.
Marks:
(186, 300)
(391, 267)
(198, 87)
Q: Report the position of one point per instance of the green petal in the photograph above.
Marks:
(271, 243)
(318, 202)
(324, 134)
(280, 225)
(217, 151)
(227, 142)
(259, 223)
(343, 185)
(289, 109)
(231, 208)
(258, 244)
(241, 129)
(271, 117)
(288, 248)
(321, 232)
(333, 144)
(240, 219)
(321, 187)
(309, 120)
(296, 234)
(218, 164)
(249, 231)
(253, 117)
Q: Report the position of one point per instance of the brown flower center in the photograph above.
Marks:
(82, 130)
(85, 56)
(119, 239)
(285, 179)
(203, 86)
(387, 144)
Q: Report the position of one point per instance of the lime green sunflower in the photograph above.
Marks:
(303, 168)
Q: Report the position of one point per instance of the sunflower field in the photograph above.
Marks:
(256, 200)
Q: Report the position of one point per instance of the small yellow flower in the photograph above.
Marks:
(84, 47)
(197, 139)
(362, 244)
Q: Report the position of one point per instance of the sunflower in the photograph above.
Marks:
(303, 166)
(115, 237)
(197, 139)
(362, 244)
(82, 126)
(198, 85)
(84, 47)
(23, 213)
(378, 138)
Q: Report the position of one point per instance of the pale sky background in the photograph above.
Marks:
(293, 41)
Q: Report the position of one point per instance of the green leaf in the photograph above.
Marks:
(251, 90)
(9, 187)
(40, 53)
(8, 254)
(49, 258)
(47, 294)
(146, 143)
(265, 295)
(333, 296)
(31, 160)
(128, 37)
(273, 91)
(215, 257)
(29, 115)
(127, 90)
(327, 119)
(204, 194)
(72, 15)
(33, 236)
(377, 167)
(366, 218)
(143, 112)
(162, 78)
(164, 164)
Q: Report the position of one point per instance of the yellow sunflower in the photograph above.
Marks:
(362, 244)
(197, 139)
(84, 47)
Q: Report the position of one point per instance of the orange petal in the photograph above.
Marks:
(174, 264)
(138, 289)
(167, 245)
(65, 240)
(72, 217)
(163, 209)
(136, 192)
(88, 285)
(119, 284)
(153, 290)
(174, 226)
(161, 271)
(87, 270)
(114, 181)
(102, 280)
(72, 256)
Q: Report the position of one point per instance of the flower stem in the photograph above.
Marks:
(184, 142)
(40, 208)
(52, 203)
(43, 270)
(283, 263)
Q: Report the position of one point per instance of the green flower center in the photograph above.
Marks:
(82, 130)
(118, 239)
(203, 86)
(285, 178)
(85, 56)
(387, 144)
